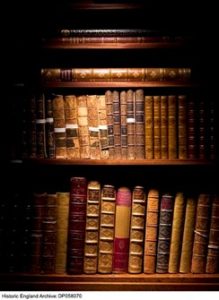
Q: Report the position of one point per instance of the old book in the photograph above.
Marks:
(172, 127)
(149, 127)
(164, 232)
(117, 125)
(92, 227)
(122, 226)
(103, 128)
(188, 236)
(182, 128)
(59, 126)
(29, 129)
(212, 262)
(192, 128)
(50, 136)
(40, 126)
(83, 128)
(110, 124)
(106, 231)
(201, 234)
(76, 226)
(123, 115)
(131, 123)
(139, 124)
(176, 234)
(151, 231)
(212, 151)
(93, 126)
(71, 124)
(164, 126)
(136, 245)
(63, 199)
(157, 127)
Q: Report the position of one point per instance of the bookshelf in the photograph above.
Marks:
(53, 174)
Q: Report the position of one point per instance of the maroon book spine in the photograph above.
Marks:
(77, 222)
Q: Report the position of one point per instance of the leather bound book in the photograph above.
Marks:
(164, 126)
(136, 245)
(172, 127)
(40, 126)
(139, 125)
(201, 234)
(110, 124)
(71, 124)
(212, 263)
(176, 234)
(157, 127)
(131, 123)
(93, 126)
(59, 126)
(188, 236)
(192, 129)
(51, 74)
(50, 136)
(29, 129)
(107, 225)
(92, 226)
(182, 130)
(149, 127)
(83, 126)
(124, 134)
(151, 231)
(117, 125)
(103, 128)
(62, 231)
(122, 226)
(77, 222)
(202, 129)
(164, 232)
(212, 131)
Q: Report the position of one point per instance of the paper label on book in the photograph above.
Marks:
(71, 126)
(40, 121)
(59, 130)
(96, 129)
(103, 127)
(130, 120)
(49, 120)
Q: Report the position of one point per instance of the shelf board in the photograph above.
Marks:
(111, 282)
(113, 162)
(117, 84)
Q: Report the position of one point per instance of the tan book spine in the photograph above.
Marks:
(50, 136)
(59, 126)
(124, 134)
(201, 234)
(172, 127)
(103, 128)
(139, 124)
(110, 125)
(136, 245)
(212, 263)
(71, 124)
(164, 126)
(41, 126)
(63, 199)
(157, 127)
(131, 123)
(107, 225)
(151, 231)
(83, 127)
(93, 126)
(51, 74)
(182, 128)
(188, 236)
(92, 225)
(176, 234)
(117, 125)
(149, 141)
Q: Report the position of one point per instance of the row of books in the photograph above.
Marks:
(115, 74)
(123, 124)
(101, 229)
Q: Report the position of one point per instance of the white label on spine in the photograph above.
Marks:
(49, 120)
(103, 127)
(59, 130)
(40, 121)
(130, 120)
(96, 129)
(71, 126)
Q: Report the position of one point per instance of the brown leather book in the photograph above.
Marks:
(192, 123)
(124, 133)
(102, 125)
(117, 125)
(40, 126)
(157, 127)
(149, 127)
(131, 123)
(50, 136)
(139, 124)
(182, 127)
(110, 124)
(164, 126)
(172, 127)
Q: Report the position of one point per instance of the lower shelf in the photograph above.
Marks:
(111, 282)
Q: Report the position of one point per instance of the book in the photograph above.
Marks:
(139, 124)
(131, 123)
(40, 127)
(122, 227)
(124, 133)
(103, 126)
(164, 126)
(149, 127)
(83, 129)
(182, 127)
(106, 231)
(110, 123)
(116, 125)
(50, 137)
(157, 127)
(172, 127)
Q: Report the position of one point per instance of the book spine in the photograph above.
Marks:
(151, 231)
(172, 127)
(176, 234)
(149, 121)
(77, 222)
(164, 126)
(164, 233)
(124, 134)
(122, 226)
(139, 125)
(103, 128)
(182, 130)
(110, 125)
(201, 234)
(40, 127)
(192, 129)
(213, 142)
(50, 137)
(131, 123)
(117, 125)
(157, 127)
(107, 226)
(188, 234)
(136, 245)
(62, 231)
(30, 131)
(212, 262)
